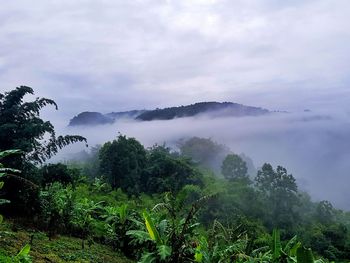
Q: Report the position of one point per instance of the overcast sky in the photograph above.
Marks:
(120, 55)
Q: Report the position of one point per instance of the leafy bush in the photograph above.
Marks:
(122, 162)
(21, 257)
(57, 208)
(59, 172)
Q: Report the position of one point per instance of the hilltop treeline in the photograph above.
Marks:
(218, 109)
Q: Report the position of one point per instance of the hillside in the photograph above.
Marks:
(58, 249)
(214, 109)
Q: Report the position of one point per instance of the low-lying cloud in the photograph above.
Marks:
(313, 147)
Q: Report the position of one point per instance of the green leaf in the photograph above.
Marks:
(294, 249)
(1, 185)
(304, 255)
(122, 211)
(139, 235)
(1, 219)
(152, 231)
(4, 201)
(290, 244)
(24, 251)
(276, 244)
(320, 261)
(3, 154)
(198, 256)
(148, 258)
(164, 251)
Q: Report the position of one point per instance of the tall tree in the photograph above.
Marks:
(167, 172)
(280, 192)
(234, 168)
(122, 162)
(22, 128)
(204, 151)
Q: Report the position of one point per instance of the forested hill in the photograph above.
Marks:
(217, 108)
(97, 118)
(214, 109)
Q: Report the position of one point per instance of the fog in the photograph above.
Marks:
(314, 147)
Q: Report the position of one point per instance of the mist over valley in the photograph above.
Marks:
(313, 146)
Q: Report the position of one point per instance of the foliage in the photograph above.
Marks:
(204, 151)
(59, 172)
(22, 128)
(169, 232)
(18, 191)
(84, 218)
(122, 162)
(57, 208)
(21, 257)
(61, 249)
(167, 172)
(119, 220)
(325, 212)
(4, 171)
(234, 168)
(279, 191)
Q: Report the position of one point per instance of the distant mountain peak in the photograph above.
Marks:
(215, 109)
(90, 118)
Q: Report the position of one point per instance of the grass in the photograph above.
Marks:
(59, 249)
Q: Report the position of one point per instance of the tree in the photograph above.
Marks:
(204, 151)
(22, 128)
(325, 212)
(59, 172)
(280, 192)
(234, 168)
(122, 162)
(167, 172)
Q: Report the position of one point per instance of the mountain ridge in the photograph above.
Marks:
(216, 109)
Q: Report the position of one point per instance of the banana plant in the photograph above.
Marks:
(155, 234)
(84, 218)
(168, 236)
(224, 244)
(114, 214)
(222, 247)
(21, 257)
(292, 252)
(118, 220)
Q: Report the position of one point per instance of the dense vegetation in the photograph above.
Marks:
(202, 203)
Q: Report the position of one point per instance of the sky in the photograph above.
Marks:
(120, 55)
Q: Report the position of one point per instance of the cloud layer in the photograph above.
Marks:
(313, 147)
